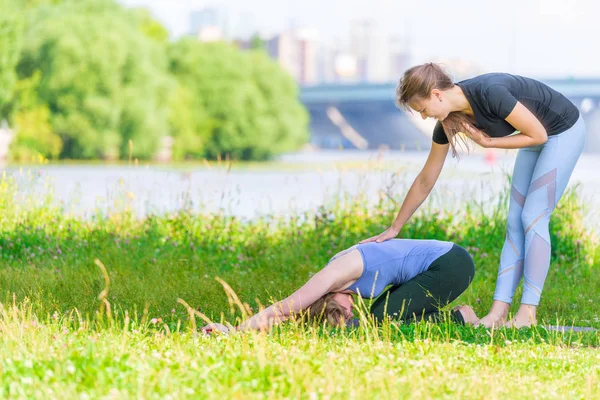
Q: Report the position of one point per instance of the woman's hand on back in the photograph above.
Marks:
(417, 193)
(389, 233)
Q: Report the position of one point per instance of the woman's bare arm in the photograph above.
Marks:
(335, 276)
(532, 132)
(418, 192)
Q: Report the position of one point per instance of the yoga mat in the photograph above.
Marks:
(568, 328)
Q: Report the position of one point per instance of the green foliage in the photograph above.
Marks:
(119, 357)
(103, 80)
(251, 101)
(155, 260)
(35, 138)
(109, 78)
(190, 125)
(150, 27)
(11, 27)
(256, 42)
(58, 336)
(38, 3)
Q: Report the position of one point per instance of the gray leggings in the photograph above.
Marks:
(540, 177)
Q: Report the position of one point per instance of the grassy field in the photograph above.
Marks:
(70, 328)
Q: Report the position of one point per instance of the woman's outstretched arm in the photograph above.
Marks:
(332, 277)
(418, 192)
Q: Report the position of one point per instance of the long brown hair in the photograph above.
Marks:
(419, 81)
(326, 309)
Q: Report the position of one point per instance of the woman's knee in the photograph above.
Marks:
(470, 270)
(465, 272)
(514, 225)
(466, 266)
(535, 215)
(467, 277)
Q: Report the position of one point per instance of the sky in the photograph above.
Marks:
(537, 38)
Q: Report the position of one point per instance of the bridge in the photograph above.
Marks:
(364, 115)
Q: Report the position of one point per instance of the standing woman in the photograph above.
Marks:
(501, 111)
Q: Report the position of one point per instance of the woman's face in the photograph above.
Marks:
(345, 300)
(432, 107)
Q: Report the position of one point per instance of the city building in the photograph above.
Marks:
(371, 50)
(296, 50)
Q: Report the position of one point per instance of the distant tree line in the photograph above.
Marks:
(91, 79)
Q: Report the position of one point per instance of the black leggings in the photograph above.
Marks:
(426, 293)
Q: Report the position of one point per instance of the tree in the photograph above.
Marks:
(103, 79)
(11, 27)
(256, 42)
(252, 102)
(34, 134)
(149, 26)
(290, 118)
(190, 125)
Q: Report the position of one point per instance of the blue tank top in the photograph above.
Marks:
(395, 262)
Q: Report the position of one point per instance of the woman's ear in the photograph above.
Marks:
(436, 94)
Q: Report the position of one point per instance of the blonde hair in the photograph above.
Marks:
(418, 82)
(326, 309)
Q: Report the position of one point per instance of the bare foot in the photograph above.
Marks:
(525, 317)
(467, 313)
(497, 315)
(492, 320)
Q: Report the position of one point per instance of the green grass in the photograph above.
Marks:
(58, 339)
(50, 359)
